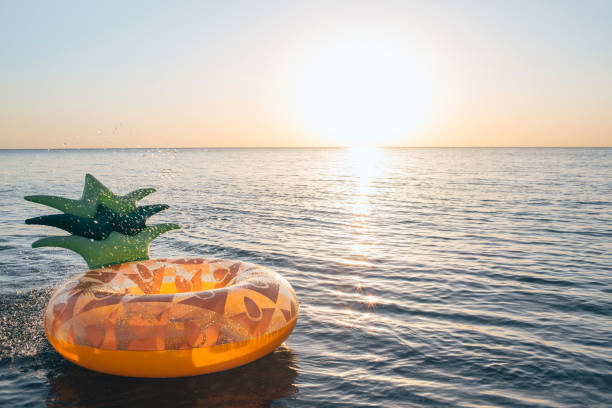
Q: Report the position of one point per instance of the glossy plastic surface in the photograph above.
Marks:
(171, 318)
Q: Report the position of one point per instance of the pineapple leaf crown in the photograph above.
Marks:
(106, 228)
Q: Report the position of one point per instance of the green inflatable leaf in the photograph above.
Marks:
(107, 229)
(94, 193)
(104, 222)
(117, 248)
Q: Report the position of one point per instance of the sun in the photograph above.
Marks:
(363, 92)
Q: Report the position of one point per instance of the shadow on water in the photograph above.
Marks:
(257, 384)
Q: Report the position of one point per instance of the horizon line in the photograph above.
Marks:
(305, 147)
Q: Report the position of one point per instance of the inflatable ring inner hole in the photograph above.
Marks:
(162, 277)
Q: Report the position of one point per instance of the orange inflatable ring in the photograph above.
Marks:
(170, 318)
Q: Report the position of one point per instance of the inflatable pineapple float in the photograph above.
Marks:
(129, 315)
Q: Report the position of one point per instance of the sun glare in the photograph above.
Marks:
(363, 93)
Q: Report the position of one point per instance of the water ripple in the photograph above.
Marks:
(427, 277)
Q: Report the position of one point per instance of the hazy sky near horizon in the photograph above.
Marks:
(319, 73)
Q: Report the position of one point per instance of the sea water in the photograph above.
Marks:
(426, 277)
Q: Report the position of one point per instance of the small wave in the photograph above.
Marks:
(21, 331)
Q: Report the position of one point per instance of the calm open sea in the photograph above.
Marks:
(426, 277)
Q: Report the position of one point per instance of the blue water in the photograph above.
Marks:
(426, 277)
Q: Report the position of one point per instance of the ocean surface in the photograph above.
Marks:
(426, 277)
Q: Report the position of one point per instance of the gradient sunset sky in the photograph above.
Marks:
(76, 74)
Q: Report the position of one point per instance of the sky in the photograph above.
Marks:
(303, 74)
